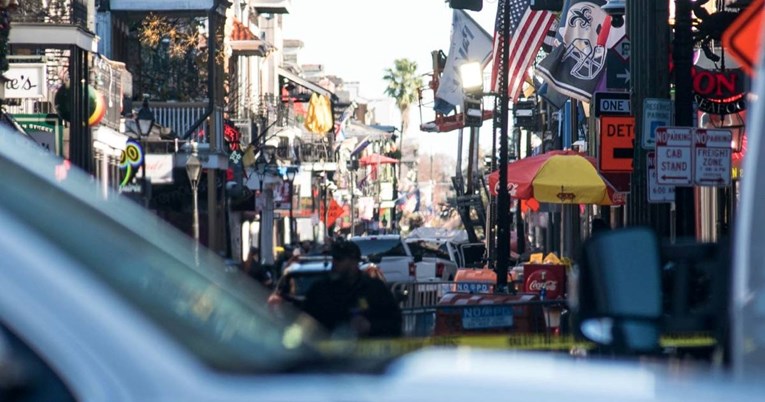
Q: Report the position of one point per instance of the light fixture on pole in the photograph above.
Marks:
(194, 172)
(616, 9)
(144, 121)
(471, 74)
(732, 122)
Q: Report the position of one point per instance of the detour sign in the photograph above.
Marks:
(742, 38)
(617, 138)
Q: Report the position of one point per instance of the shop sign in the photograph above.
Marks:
(159, 168)
(719, 92)
(26, 81)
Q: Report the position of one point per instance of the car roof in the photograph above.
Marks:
(377, 237)
(310, 264)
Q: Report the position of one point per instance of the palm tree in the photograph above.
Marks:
(403, 86)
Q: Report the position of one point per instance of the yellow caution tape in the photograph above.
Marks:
(400, 346)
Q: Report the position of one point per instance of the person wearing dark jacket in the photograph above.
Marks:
(348, 299)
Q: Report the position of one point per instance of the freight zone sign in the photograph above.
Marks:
(712, 152)
(674, 156)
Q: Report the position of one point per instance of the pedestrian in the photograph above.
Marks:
(350, 300)
(253, 268)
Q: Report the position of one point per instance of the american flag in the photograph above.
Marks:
(528, 29)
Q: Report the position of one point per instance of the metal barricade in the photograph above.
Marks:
(426, 311)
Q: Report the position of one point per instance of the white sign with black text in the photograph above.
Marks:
(712, 152)
(657, 193)
(26, 81)
(674, 156)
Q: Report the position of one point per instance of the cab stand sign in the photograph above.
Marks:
(687, 157)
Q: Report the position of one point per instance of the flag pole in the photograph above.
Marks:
(501, 114)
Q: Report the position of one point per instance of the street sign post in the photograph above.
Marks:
(617, 135)
(674, 156)
(657, 113)
(657, 193)
(612, 104)
(712, 154)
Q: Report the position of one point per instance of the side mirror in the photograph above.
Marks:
(618, 298)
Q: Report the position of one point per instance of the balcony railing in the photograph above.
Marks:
(70, 12)
(179, 116)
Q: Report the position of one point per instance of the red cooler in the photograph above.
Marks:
(551, 276)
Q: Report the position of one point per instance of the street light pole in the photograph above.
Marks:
(682, 54)
(501, 124)
(145, 122)
(291, 173)
(194, 171)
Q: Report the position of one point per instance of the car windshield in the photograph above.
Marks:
(297, 284)
(215, 316)
(429, 249)
(380, 247)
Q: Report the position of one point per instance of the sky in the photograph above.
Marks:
(357, 39)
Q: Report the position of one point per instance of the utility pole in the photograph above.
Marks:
(501, 114)
(648, 32)
(682, 54)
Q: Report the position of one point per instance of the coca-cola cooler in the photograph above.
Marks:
(550, 276)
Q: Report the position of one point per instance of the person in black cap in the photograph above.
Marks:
(350, 300)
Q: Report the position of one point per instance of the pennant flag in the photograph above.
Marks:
(575, 67)
(469, 42)
(527, 32)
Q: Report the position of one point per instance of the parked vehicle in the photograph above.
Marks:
(437, 259)
(391, 254)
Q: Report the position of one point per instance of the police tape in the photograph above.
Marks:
(529, 342)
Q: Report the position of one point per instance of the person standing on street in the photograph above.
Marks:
(349, 299)
(255, 270)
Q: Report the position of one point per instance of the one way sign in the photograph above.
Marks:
(618, 65)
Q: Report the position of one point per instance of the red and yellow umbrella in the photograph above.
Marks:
(560, 177)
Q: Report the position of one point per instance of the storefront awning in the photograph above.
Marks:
(305, 83)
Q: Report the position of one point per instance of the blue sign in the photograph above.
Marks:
(473, 287)
(487, 317)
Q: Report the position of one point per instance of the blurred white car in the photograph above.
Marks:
(101, 301)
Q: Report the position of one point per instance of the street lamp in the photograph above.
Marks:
(144, 121)
(194, 171)
(616, 9)
(264, 164)
(471, 74)
(291, 173)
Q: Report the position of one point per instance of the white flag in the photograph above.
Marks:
(470, 42)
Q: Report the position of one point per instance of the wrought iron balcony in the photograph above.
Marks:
(66, 12)
(179, 116)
